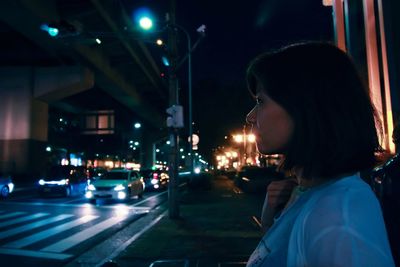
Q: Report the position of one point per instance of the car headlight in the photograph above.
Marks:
(119, 187)
(63, 182)
(89, 194)
(11, 186)
(91, 187)
(41, 182)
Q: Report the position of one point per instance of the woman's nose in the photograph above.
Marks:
(251, 116)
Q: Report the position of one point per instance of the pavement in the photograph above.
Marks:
(216, 228)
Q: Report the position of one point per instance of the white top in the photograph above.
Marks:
(336, 224)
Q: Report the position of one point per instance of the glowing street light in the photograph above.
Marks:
(144, 17)
(159, 42)
(238, 138)
(146, 23)
(251, 138)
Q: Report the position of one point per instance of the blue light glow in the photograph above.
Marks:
(143, 17)
(165, 61)
(146, 23)
(52, 31)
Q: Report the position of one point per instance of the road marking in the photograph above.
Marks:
(49, 232)
(74, 240)
(149, 198)
(33, 225)
(36, 254)
(71, 200)
(13, 214)
(83, 205)
(23, 219)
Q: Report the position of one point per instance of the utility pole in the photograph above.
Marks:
(173, 193)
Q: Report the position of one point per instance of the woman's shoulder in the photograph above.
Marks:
(347, 185)
(347, 197)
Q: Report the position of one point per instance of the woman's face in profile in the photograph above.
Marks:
(271, 124)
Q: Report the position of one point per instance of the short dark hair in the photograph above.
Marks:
(334, 120)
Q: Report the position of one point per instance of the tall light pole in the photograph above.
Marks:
(189, 58)
(190, 49)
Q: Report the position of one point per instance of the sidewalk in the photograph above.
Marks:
(216, 227)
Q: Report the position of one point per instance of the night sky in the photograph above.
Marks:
(236, 32)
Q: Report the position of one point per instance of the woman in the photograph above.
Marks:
(312, 107)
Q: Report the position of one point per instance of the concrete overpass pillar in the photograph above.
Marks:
(25, 93)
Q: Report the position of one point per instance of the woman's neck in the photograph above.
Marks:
(304, 182)
(308, 183)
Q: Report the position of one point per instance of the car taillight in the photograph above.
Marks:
(155, 175)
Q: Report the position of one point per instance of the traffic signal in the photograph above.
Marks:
(144, 17)
(146, 23)
(51, 30)
(60, 29)
(175, 118)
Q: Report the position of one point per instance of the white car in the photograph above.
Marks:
(118, 184)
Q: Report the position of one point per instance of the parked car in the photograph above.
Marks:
(6, 185)
(119, 184)
(254, 179)
(63, 180)
(230, 173)
(154, 179)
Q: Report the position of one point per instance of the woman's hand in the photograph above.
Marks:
(278, 195)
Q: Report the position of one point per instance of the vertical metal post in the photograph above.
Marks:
(190, 103)
(244, 146)
(190, 118)
(173, 197)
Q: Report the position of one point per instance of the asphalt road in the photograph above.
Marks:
(55, 231)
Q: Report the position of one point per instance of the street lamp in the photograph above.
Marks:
(189, 57)
(190, 49)
(144, 17)
(248, 141)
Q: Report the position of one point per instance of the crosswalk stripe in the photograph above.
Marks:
(74, 240)
(49, 232)
(83, 205)
(33, 225)
(13, 214)
(37, 254)
(23, 219)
